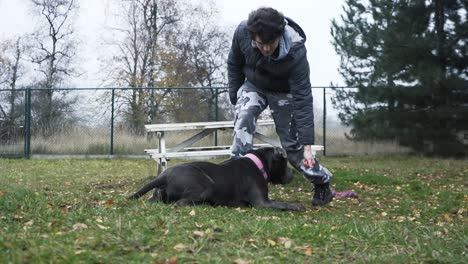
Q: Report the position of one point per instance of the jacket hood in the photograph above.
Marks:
(293, 35)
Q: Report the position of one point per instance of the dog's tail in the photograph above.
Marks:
(160, 181)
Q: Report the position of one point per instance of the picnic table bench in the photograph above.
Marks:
(184, 149)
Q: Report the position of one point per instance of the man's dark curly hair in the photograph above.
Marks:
(266, 23)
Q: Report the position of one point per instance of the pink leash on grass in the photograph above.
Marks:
(345, 194)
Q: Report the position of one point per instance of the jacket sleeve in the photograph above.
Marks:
(301, 91)
(235, 64)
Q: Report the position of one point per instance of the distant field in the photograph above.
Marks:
(97, 142)
(410, 210)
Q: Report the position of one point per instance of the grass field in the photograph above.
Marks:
(410, 210)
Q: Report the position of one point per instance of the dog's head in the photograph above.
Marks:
(276, 164)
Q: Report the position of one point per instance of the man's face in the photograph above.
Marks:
(267, 49)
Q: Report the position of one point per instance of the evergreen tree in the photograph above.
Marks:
(408, 61)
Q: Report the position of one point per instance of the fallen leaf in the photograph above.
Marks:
(65, 208)
(1, 193)
(79, 226)
(308, 251)
(18, 218)
(192, 213)
(198, 233)
(179, 247)
(401, 219)
(448, 218)
(271, 242)
(238, 209)
(241, 261)
(384, 214)
(286, 242)
(172, 260)
(28, 224)
(108, 204)
(102, 227)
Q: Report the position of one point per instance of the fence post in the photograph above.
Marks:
(216, 116)
(324, 122)
(27, 123)
(112, 124)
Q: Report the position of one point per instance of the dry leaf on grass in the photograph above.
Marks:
(79, 226)
(172, 260)
(179, 247)
(306, 250)
(102, 227)
(108, 203)
(241, 261)
(198, 233)
(18, 218)
(238, 209)
(28, 224)
(271, 242)
(286, 242)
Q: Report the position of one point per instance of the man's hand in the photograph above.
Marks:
(309, 158)
(233, 95)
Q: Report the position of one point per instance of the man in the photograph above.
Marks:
(267, 66)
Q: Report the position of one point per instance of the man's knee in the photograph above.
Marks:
(247, 114)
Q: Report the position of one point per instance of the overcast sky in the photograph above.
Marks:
(314, 16)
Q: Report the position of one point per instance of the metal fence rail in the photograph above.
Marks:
(96, 122)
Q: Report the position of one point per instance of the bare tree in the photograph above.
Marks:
(168, 43)
(12, 70)
(53, 53)
(202, 46)
(136, 63)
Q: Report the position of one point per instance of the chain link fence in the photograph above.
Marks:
(92, 122)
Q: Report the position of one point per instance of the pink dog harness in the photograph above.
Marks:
(258, 163)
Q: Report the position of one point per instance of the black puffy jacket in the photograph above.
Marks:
(290, 74)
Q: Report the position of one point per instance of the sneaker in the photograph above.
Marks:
(323, 195)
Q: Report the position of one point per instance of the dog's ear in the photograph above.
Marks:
(280, 151)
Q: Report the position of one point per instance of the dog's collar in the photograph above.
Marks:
(258, 163)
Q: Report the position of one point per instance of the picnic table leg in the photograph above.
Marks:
(162, 164)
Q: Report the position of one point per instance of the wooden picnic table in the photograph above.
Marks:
(184, 150)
